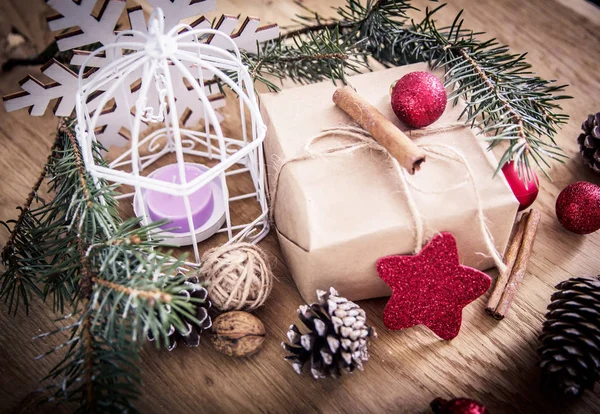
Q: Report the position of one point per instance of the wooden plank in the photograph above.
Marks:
(492, 361)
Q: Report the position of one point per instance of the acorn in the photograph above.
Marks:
(238, 334)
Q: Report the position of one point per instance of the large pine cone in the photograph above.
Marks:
(589, 142)
(191, 335)
(570, 351)
(336, 340)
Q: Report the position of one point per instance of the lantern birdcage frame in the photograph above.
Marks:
(158, 55)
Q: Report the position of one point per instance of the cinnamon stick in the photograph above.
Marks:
(401, 147)
(520, 266)
(509, 260)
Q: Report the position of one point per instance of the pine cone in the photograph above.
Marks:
(336, 340)
(191, 336)
(570, 351)
(589, 142)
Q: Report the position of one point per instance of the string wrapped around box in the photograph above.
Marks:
(359, 139)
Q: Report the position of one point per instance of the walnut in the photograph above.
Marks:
(238, 334)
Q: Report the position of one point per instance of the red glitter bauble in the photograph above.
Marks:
(458, 406)
(430, 288)
(578, 207)
(419, 99)
(525, 189)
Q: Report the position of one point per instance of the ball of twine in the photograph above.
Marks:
(237, 276)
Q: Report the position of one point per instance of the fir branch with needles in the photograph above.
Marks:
(102, 272)
(304, 59)
(504, 98)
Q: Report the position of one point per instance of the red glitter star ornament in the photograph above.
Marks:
(430, 288)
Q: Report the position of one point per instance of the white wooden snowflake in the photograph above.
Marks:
(76, 25)
(37, 95)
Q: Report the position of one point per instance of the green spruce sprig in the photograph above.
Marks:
(504, 98)
(117, 288)
(304, 59)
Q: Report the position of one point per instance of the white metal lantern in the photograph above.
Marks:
(160, 58)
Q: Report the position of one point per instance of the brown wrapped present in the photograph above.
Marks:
(336, 214)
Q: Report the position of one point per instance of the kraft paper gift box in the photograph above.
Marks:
(337, 214)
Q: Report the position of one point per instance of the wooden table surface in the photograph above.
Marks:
(494, 362)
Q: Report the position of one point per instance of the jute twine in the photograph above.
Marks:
(237, 275)
(357, 139)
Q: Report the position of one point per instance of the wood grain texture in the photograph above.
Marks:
(492, 361)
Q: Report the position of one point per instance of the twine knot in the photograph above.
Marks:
(359, 139)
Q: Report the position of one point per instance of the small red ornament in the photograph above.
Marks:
(524, 188)
(578, 207)
(418, 99)
(430, 288)
(458, 406)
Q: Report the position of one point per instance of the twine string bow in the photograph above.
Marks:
(357, 139)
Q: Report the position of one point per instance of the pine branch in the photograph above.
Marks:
(151, 295)
(513, 113)
(503, 97)
(88, 360)
(26, 207)
(78, 162)
(304, 59)
(86, 287)
(17, 283)
(14, 280)
(76, 246)
(99, 375)
(317, 28)
(141, 297)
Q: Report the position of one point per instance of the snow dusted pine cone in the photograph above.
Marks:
(191, 336)
(336, 340)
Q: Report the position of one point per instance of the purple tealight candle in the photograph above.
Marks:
(162, 206)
